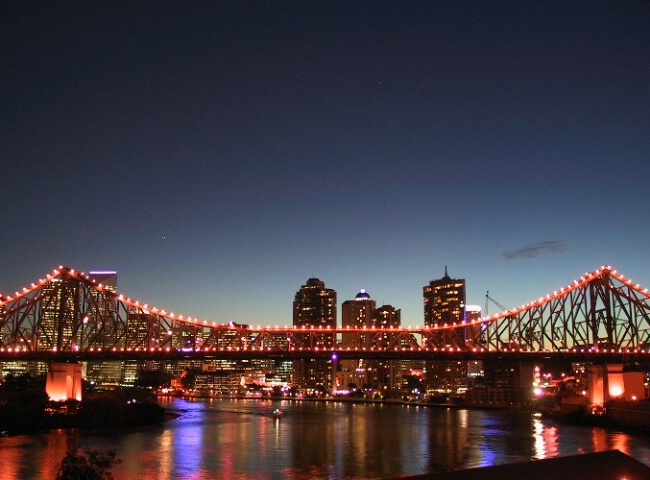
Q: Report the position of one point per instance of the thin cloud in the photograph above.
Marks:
(535, 250)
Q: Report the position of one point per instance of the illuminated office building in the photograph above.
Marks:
(357, 313)
(386, 374)
(315, 306)
(444, 304)
(376, 376)
(386, 316)
(57, 314)
(444, 301)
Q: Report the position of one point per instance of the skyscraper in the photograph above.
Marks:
(384, 374)
(386, 316)
(444, 303)
(315, 306)
(58, 314)
(355, 313)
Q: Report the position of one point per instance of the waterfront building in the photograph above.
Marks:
(314, 306)
(386, 374)
(20, 368)
(225, 376)
(444, 304)
(377, 376)
(138, 335)
(357, 313)
(444, 301)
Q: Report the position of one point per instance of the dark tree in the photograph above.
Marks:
(86, 465)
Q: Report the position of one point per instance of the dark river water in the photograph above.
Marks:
(230, 439)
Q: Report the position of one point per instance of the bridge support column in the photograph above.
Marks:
(597, 377)
(610, 381)
(63, 381)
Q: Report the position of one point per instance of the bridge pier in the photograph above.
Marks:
(63, 381)
(611, 381)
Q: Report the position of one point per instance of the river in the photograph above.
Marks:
(231, 439)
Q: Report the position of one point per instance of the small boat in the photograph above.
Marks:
(277, 413)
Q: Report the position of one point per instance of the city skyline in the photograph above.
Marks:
(219, 155)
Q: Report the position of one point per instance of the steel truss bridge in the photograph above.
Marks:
(602, 316)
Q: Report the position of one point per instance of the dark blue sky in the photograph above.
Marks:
(218, 154)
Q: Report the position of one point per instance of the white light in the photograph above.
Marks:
(616, 390)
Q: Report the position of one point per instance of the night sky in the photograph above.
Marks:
(219, 154)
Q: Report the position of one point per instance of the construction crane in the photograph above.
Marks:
(489, 298)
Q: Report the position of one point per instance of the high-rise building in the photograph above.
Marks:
(376, 376)
(385, 374)
(444, 304)
(315, 306)
(444, 301)
(386, 316)
(57, 314)
(355, 313)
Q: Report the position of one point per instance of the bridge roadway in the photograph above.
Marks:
(589, 356)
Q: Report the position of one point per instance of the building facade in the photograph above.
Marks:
(357, 313)
(444, 304)
(385, 375)
(315, 306)
(444, 301)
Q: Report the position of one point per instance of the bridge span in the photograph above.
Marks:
(600, 317)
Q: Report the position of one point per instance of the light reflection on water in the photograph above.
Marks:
(226, 439)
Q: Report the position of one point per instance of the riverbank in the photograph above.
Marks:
(32, 412)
